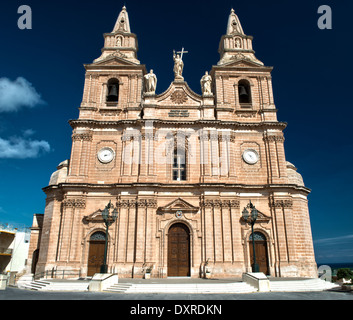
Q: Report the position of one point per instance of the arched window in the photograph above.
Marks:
(179, 165)
(98, 236)
(244, 92)
(113, 90)
(258, 236)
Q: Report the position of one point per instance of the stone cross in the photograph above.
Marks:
(182, 53)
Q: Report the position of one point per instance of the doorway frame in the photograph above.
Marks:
(248, 244)
(88, 243)
(191, 246)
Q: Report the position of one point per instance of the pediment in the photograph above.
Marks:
(94, 217)
(178, 205)
(261, 217)
(241, 62)
(115, 59)
(179, 94)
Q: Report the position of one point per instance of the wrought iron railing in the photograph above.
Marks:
(57, 274)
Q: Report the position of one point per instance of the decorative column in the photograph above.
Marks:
(131, 233)
(81, 149)
(204, 155)
(150, 239)
(209, 226)
(69, 241)
(229, 229)
(283, 226)
(122, 236)
(214, 153)
(276, 158)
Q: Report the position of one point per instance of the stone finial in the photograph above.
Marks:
(234, 25)
(122, 23)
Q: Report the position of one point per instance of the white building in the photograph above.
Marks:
(14, 245)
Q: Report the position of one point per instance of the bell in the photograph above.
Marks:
(113, 92)
(242, 91)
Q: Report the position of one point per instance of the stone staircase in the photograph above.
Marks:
(238, 287)
(301, 285)
(277, 285)
(52, 285)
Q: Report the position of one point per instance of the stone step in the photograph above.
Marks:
(301, 285)
(119, 288)
(236, 287)
(183, 288)
(40, 285)
(36, 285)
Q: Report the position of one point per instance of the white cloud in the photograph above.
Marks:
(335, 249)
(17, 94)
(20, 148)
(28, 132)
(335, 240)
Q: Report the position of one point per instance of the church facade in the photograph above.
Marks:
(179, 169)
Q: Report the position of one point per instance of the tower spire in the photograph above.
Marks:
(235, 44)
(234, 25)
(122, 23)
(120, 43)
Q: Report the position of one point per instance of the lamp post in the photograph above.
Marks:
(251, 218)
(108, 220)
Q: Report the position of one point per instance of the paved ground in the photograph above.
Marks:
(16, 294)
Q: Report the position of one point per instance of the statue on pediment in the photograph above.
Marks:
(206, 85)
(150, 83)
(178, 64)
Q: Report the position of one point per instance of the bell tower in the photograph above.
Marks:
(243, 94)
(243, 85)
(112, 92)
(113, 83)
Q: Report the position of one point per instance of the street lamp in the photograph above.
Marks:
(108, 220)
(251, 218)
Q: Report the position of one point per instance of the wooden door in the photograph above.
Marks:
(179, 251)
(95, 257)
(261, 256)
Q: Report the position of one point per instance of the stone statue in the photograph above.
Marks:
(237, 43)
(150, 83)
(206, 82)
(178, 66)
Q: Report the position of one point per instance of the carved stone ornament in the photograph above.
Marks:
(274, 138)
(179, 97)
(117, 54)
(281, 203)
(141, 203)
(82, 137)
(220, 203)
(75, 203)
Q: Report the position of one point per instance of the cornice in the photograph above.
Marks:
(217, 123)
(221, 186)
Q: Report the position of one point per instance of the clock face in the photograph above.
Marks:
(250, 156)
(106, 155)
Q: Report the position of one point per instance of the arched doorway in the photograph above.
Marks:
(260, 251)
(179, 251)
(35, 257)
(96, 253)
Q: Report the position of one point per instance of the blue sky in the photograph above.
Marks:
(311, 78)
